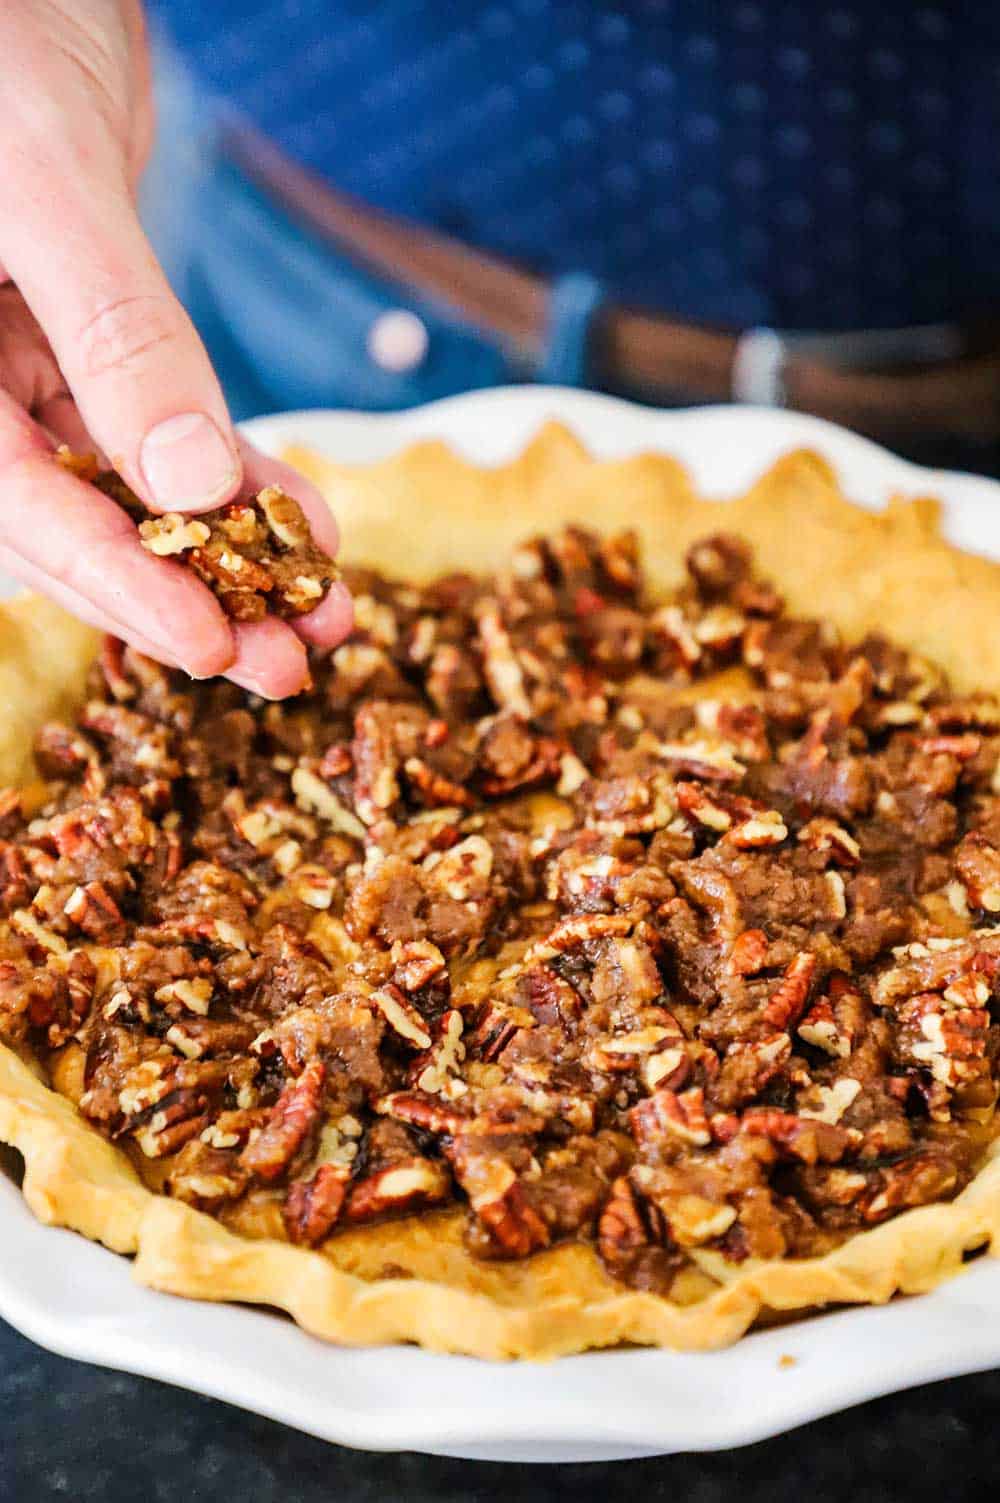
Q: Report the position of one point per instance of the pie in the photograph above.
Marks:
(604, 949)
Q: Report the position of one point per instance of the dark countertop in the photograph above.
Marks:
(76, 1432)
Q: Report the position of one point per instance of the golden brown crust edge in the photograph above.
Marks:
(861, 569)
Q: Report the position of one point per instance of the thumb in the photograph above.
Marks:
(130, 355)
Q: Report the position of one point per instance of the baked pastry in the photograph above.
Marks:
(592, 955)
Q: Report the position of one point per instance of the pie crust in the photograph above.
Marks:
(412, 1280)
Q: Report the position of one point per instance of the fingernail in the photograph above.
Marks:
(187, 464)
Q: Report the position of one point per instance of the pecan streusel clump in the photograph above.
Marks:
(256, 554)
(666, 925)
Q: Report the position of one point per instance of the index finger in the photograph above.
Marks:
(70, 238)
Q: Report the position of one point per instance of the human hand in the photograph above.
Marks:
(96, 351)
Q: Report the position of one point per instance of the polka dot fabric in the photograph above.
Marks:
(733, 161)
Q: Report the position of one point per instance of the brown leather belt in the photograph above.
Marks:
(957, 396)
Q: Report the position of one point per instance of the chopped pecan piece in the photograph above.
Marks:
(718, 564)
(742, 729)
(376, 761)
(421, 1109)
(916, 1181)
(501, 667)
(543, 764)
(826, 835)
(655, 1051)
(667, 1112)
(173, 533)
(933, 965)
(671, 628)
(434, 788)
(572, 932)
(748, 953)
(963, 747)
(629, 805)
(758, 831)
(495, 1028)
(820, 1028)
(697, 802)
(978, 865)
(708, 760)
(417, 963)
(93, 909)
(829, 1103)
(176, 1118)
(204, 1176)
(437, 1070)
(401, 1016)
(807, 1138)
(944, 1036)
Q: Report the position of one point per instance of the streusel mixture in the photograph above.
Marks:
(665, 925)
(256, 554)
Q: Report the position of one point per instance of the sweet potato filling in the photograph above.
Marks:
(667, 925)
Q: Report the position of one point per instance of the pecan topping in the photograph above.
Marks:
(506, 913)
(257, 555)
(437, 1070)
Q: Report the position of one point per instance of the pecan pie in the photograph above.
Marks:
(256, 554)
(577, 960)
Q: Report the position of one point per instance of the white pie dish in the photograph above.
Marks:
(78, 1299)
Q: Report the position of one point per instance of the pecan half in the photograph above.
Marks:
(512, 1225)
(786, 1003)
(404, 1186)
(631, 1235)
(293, 1117)
(312, 1206)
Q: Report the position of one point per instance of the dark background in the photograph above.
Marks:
(70, 1431)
